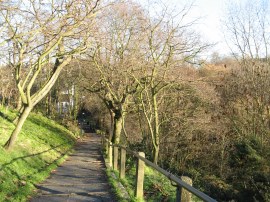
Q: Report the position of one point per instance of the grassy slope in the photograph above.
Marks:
(42, 144)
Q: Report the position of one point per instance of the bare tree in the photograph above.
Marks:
(247, 25)
(39, 34)
(116, 56)
(170, 44)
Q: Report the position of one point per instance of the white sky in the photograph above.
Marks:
(212, 12)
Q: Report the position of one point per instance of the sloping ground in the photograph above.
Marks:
(41, 146)
(82, 177)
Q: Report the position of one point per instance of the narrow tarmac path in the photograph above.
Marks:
(80, 178)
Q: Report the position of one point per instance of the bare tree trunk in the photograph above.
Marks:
(19, 103)
(57, 100)
(112, 125)
(21, 109)
(49, 104)
(156, 129)
(124, 131)
(23, 116)
(155, 154)
(3, 100)
(118, 119)
(140, 123)
(70, 107)
(75, 102)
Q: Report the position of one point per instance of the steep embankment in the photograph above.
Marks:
(42, 144)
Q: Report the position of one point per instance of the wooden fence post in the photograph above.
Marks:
(107, 142)
(178, 194)
(110, 153)
(122, 163)
(115, 158)
(182, 194)
(139, 177)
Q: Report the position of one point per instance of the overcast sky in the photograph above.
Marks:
(210, 13)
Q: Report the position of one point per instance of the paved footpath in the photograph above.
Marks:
(80, 178)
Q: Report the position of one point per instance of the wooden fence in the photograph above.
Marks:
(184, 187)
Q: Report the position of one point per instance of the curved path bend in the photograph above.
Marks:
(81, 178)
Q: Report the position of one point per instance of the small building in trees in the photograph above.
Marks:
(65, 102)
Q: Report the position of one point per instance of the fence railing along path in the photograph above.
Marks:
(184, 188)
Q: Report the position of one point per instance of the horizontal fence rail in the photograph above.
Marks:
(112, 151)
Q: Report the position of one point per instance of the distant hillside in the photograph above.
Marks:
(42, 144)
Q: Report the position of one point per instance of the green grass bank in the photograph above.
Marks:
(42, 145)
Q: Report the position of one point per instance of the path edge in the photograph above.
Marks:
(124, 196)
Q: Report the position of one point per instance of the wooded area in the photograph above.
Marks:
(137, 73)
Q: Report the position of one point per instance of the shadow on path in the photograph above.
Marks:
(82, 177)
